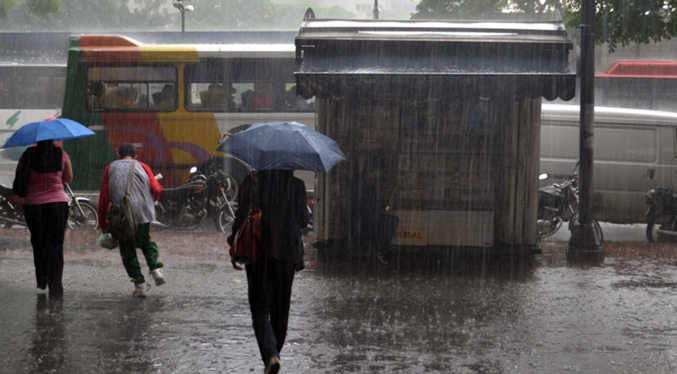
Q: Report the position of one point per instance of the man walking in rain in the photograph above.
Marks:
(145, 190)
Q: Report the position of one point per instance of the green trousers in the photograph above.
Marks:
(148, 247)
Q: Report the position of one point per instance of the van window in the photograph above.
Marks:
(616, 144)
(623, 144)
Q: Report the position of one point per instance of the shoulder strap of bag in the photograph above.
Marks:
(130, 177)
(252, 187)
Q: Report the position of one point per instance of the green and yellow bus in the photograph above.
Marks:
(174, 102)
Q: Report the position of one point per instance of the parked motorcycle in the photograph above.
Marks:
(558, 203)
(661, 217)
(11, 211)
(81, 213)
(187, 206)
(310, 207)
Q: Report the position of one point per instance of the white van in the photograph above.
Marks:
(634, 152)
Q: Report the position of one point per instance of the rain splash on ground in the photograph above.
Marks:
(534, 317)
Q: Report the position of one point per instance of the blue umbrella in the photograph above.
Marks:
(53, 129)
(284, 145)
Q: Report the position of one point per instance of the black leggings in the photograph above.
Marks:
(47, 224)
(270, 284)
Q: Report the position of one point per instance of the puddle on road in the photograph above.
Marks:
(531, 318)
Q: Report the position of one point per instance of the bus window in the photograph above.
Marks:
(235, 84)
(254, 96)
(123, 96)
(211, 97)
(231, 97)
(293, 103)
(133, 88)
(162, 96)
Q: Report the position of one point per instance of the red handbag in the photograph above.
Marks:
(246, 248)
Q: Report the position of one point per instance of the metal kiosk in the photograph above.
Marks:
(453, 109)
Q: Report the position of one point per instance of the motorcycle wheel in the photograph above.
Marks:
(553, 231)
(595, 226)
(659, 221)
(598, 228)
(87, 220)
(199, 220)
(225, 221)
(233, 190)
(5, 212)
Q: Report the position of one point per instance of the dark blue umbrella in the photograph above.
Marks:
(53, 129)
(284, 145)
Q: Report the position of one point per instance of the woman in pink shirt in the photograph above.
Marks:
(46, 211)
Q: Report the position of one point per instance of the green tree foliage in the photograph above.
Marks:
(89, 15)
(230, 14)
(43, 8)
(290, 16)
(254, 14)
(115, 15)
(40, 8)
(5, 7)
(617, 21)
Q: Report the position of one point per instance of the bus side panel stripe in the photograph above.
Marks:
(168, 53)
(192, 137)
(142, 129)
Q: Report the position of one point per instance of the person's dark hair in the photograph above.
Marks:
(45, 157)
(127, 150)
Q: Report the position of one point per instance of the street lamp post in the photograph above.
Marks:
(584, 245)
(183, 9)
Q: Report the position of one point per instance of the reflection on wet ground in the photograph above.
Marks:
(540, 317)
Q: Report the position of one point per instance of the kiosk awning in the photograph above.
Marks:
(513, 59)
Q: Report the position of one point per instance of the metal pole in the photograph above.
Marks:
(183, 24)
(376, 9)
(584, 245)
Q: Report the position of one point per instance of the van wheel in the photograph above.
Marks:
(660, 221)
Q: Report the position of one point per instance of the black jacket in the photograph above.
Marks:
(283, 202)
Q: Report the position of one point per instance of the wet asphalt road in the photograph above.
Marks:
(538, 317)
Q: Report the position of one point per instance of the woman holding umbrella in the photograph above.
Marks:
(275, 150)
(42, 171)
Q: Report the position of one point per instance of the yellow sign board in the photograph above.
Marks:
(410, 236)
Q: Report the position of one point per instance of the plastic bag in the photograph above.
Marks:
(107, 241)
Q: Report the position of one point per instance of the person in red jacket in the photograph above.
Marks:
(145, 191)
